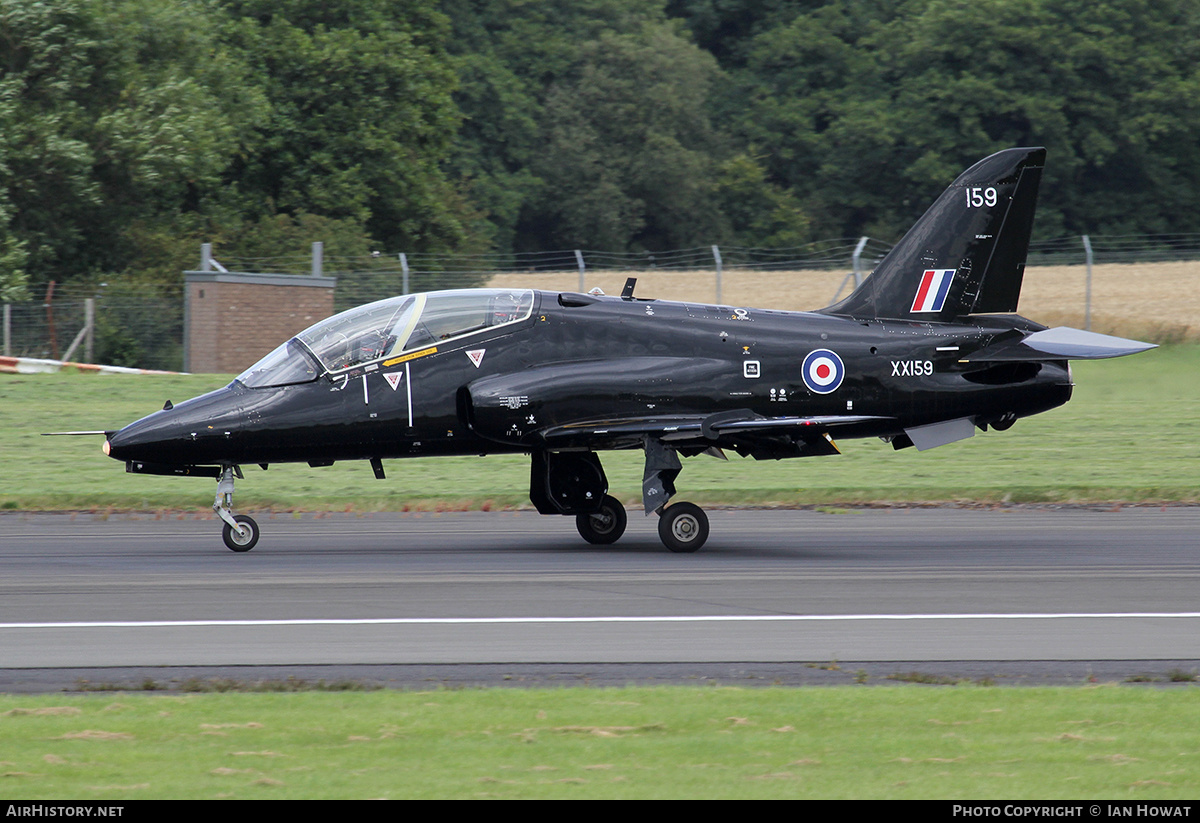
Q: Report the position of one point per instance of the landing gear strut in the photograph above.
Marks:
(573, 483)
(682, 527)
(240, 532)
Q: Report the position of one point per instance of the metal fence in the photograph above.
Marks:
(1114, 248)
(93, 327)
(128, 327)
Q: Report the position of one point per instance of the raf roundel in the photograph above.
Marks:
(823, 371)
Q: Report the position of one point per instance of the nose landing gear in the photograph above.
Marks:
(241, 531)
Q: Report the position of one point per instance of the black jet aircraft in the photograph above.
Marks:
(923, 353)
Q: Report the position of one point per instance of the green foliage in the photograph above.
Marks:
(359, 117)
(871, 108)
(49, 52)
(591, 125)
(118, 119)
(511, 57)
(133, 130)
(283, 234)
(12, 272)
(629, 150)
(760, 212)
(723, 27)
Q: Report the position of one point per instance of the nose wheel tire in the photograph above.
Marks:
(245, 540)
(605, 526)
(683, 527)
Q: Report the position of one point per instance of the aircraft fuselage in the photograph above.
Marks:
(582, 358)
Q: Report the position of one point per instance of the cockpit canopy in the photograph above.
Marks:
(385, 329)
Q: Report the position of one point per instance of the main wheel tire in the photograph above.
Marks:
(241, 542)
(605, 526)
(683, 527)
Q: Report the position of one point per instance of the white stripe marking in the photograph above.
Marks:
(716, 618)
(408, 389)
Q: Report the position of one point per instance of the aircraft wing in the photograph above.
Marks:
(744, 431)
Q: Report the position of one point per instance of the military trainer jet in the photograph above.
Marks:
(923, 353)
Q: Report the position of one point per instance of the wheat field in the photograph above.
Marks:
(1158, 302)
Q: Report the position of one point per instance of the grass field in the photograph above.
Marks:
(903, 742)
(1126, 436)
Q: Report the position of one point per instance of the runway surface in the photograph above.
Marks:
(775, 596)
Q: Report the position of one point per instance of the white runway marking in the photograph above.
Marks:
(728, 618)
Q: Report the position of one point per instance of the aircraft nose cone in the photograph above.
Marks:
(197, 431)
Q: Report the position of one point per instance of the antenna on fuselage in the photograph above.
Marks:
(627, 292)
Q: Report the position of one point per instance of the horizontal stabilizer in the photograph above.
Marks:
(1062, 343)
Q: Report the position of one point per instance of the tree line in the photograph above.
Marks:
(133, 130)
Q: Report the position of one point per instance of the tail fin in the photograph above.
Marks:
(966, 254)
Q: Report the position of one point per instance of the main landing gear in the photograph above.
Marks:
(241, 531)
(573, 483)
(682, 527)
